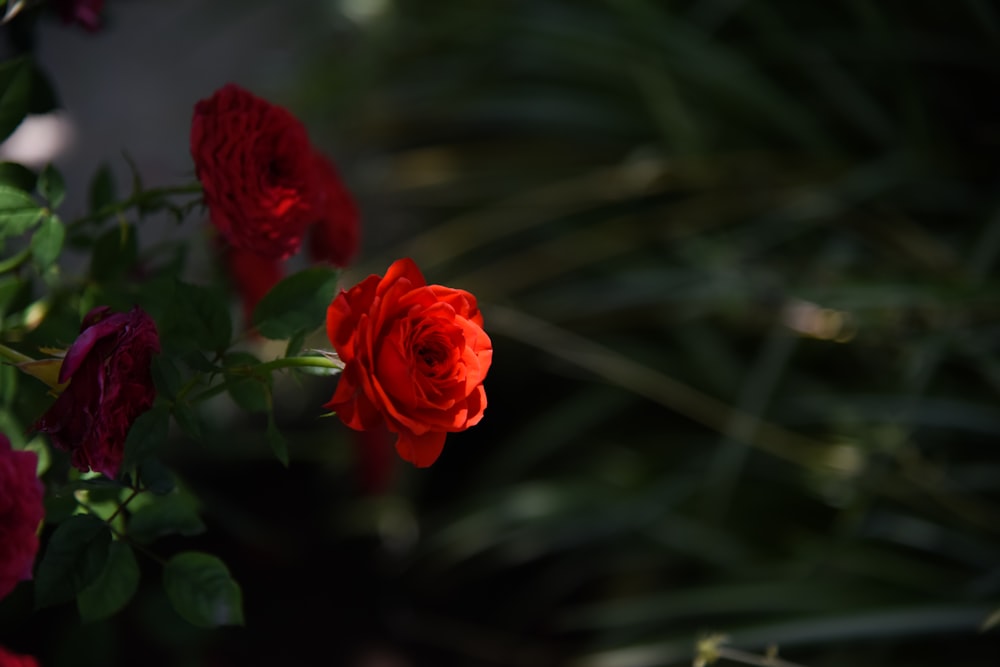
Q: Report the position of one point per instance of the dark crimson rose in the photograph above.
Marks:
(415, 356)
(257, 170)
(84, 12)
(110, 384)
(21, 511)
(334, 237)
(252, 275)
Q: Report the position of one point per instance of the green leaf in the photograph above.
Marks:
(15, 94)
(52, 186)
(202, 591)
(189, 419)
(297, 303)
(276, 440)
(17, 176)
(102, 189)
(75, 557)
(113, 588)
(201, 316)
(114, 254)
(47, 241)
(155, 477)
(166, 376)
(250, 392)
(18, 211)
(173, 514)
(295, 343)
(148, 432)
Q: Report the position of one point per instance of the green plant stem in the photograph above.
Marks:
(267, 367)
(300, 362)
(123, 505)
(136, 199)
(13, 356)
(15, 261)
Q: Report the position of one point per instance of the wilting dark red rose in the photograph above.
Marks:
(258, 171)
(335, 235)
(253, 276)
(415, 356)
(84, 12)
(21, 511)
(110, 384)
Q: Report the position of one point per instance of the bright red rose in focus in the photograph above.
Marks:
(110, 384)
(257, 170)
(415, 356)
(21, 511)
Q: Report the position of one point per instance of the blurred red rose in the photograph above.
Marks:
(85, 12)
(415, 356)
(335, 235)
(21, 511)
(258, 173)
(110, 384)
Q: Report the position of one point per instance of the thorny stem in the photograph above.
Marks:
(120, 535)
(137, 199)
(136, 491)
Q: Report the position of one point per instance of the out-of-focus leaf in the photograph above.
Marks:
(202, 591)
(18, 211)
(113, 588)
(297, 303)
(75, 556)
(47, 241)
(172, 514)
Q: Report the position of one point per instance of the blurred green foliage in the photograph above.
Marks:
(739, 263)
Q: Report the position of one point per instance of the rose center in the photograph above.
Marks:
(431, 356)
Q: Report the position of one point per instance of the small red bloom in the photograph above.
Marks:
(415, 356)
(258, 172)
(87, 13)
(110, 385)
(21, 511)
(335, 235)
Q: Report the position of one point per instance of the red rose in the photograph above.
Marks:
(257, 170)
(85, 12)
(335, 235)
(21, 511)
(110, 384)
(415, 356)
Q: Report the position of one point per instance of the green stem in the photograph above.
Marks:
(300, 362)
(137, 199)
(123, 505)
(13, 356)
(15, 261)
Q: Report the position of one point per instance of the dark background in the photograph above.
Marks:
(738, 260)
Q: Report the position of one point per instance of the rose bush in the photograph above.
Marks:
(110, 384)
(21, 511)
(415, 357)
(258, 171)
